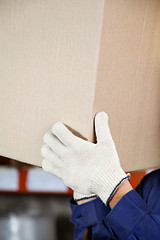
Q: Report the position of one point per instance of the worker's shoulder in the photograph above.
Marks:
(152, 177)
(149, 189)
(149, 183)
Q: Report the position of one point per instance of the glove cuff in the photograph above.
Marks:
(78, 196)
(107, 181)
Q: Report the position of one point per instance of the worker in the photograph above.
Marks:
(104, 204)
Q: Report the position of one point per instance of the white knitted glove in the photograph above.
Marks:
(85, 167)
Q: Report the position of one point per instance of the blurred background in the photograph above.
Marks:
(35, 204)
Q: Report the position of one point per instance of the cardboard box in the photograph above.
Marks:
(66, 60)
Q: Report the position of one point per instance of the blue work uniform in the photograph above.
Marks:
(135, 216)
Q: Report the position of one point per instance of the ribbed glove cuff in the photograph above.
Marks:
(107, 181)
(78, 196)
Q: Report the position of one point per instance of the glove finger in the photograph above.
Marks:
(54, 143)
(48, 154)
(102, 128)
(49, 167)
(64, 134)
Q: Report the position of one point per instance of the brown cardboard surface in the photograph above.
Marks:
(128, 80)
(48, 63)
(66, 60)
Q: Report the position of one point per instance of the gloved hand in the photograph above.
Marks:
(85, 167)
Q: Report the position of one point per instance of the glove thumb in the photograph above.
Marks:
(103, 134)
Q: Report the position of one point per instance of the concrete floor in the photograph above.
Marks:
(35, 217)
